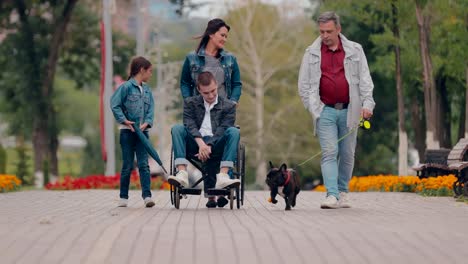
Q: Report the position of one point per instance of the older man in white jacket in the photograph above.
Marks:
(336, 87)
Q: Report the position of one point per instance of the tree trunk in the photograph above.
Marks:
(466, 102)
(418, 127)
(260, 173)
(443, 113)
(40, 145)
(428, 79)
(45, 141)
(402, 136)
(47, 84)
(53, 144)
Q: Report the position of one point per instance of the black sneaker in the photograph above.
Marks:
(211, 203)
(222, 201)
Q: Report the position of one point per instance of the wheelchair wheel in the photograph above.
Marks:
(171, 171)
(231, 198)
(176, 197)
(242, 172)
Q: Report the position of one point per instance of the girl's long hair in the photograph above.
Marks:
(136, 65)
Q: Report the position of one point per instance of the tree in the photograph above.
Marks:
(78, 60)
(423, 16)
(185, 6)
(35, 40)
(269, 46)
(402, 136)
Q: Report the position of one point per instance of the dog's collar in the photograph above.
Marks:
(288, 177)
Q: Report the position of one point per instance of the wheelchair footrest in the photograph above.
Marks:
(214, 191)
(191, 191)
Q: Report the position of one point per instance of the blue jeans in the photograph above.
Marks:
(131, 145)
(223, 152)
(337, 159)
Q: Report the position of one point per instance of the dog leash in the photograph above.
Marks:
(364, 123)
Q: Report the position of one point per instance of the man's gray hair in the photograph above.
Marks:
(329, 16)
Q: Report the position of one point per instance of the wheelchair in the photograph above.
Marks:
(233, 193)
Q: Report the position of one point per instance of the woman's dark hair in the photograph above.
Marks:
(213, 26)
(136, 65)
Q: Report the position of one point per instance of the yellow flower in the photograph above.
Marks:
(9, 182)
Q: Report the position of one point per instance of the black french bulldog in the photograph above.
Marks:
(286, 178)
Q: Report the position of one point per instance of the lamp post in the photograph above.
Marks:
(108, 118)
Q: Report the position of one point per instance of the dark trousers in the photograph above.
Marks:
(131, 145)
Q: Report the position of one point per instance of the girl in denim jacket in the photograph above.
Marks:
(132, 103)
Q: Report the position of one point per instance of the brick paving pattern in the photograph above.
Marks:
(85, 227)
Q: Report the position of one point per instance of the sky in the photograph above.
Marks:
(217, 7)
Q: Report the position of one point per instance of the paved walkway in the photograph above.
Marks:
(86, 227)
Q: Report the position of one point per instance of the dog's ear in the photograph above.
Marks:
(283, 167)
(271, 165)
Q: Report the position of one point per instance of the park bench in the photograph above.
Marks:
(435, 163)
(445, 161)
(457, 162)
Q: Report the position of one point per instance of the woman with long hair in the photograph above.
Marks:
(132, 103)
(211, 56)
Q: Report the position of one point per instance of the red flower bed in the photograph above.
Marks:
(103, 182)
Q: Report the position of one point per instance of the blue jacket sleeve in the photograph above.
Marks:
(117, 100)
(236, 83)
(186, 82)
(149, 116)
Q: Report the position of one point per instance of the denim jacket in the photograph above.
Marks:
(128, 103)
(356, 72)
(193, 65)
(223, 116)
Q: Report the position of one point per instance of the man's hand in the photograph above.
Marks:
(366, 113)
(129, 124)
(204, 150)
(143, 126)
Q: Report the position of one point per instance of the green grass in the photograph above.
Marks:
(462, 199)
(70, 162)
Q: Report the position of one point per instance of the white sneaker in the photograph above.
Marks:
(223, 181)
(330, 203)
(123, 202)
(181, 178)
(149, 202)
(344, 200)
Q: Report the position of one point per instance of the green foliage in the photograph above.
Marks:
(81, 56)
(444, 191)
(22, 166)
(266, 42)
(92, 159)
(185, 6)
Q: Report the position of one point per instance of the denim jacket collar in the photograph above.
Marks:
(202, 52)
(135, 83)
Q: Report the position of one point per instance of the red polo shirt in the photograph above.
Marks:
(334, 87)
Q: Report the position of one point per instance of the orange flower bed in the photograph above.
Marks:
(9, 183)
(439, 186)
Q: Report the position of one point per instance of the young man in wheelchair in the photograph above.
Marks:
(208, 133)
